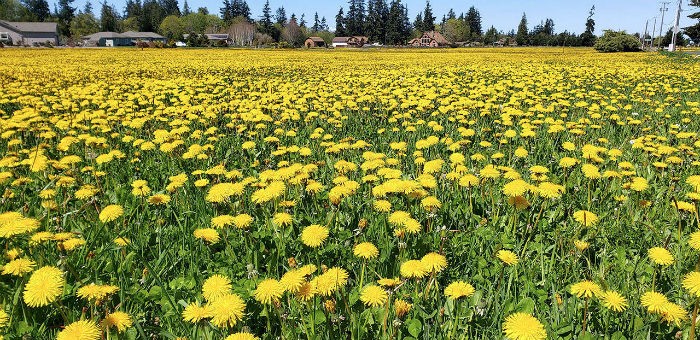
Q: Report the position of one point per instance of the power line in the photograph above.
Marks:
(663, 10)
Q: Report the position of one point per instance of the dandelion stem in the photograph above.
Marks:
(693, 320)
(585, 315)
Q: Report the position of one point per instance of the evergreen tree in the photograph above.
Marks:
(317, 24)
(522, 35)
(234, 8)
(302, 21)
(451, 14)
(428, 19)
(88, 8)
(355, 20)
(38, 8)
(170, 7)
(225, 12)
(340, 30)
(491, 36)
(398, 25)
(186, 9)
(108, 18)
(418, 23)
(65, 15)
(152, 16)
(548, 28)
(376, 24)
(324, 24)
(281, 16)
(266, 19)
(587, 37)
(473, 19)
(84, 24)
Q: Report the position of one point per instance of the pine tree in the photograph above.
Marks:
(152, 16)
(376, 24)
(186, 9)
(65, 15)
(355, 21)
(324, 24)
(340, 24)
(38, 8)
(451, 14)
(473, 19)
(226, 12)
(281, 16)
(88, 8)
(317, 24)
(418, 23)
(398, 25)
(302, 21)
(694, 31)
(108, 18)
(170, 7)
(587, 37)
(266, 19)
(428, 18)
(522, 36)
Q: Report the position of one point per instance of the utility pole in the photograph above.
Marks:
(663, 10)
(644, 36)
(653, 34)
(675, 28)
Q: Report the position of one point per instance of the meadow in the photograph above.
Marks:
(319, 194)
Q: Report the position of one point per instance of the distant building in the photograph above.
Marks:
(314, 42)
(354, 41)
(429, 39)
(112, 39)
(213, 37)
(28, 33)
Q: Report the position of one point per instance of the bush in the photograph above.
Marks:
(617, 41)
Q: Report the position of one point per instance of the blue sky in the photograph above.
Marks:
(503, 14)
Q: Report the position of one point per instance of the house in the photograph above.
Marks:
(429, 39)
(213, 37)
(314, 42)
(354, 41)
(111, 39)
(28, 33)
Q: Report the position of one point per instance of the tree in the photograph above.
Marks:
(377, 16)
(172, 28)
(241, 31)
(65, 15)
(186, 9)
(355, 20)
(83, 24)
(456, 30)
(151, 16)
(340, 24)
(302, 21)
(521, 36)
(324, 24)
(87, 8)
(201, 23)
(473, 19)
(281, 16)
(667, 39)
(548, 28)
(266, 19)
(617, 41)
(428, 18)
(694, 31)
(587, 37)
(233, 9)
(170, 7)
(317, 24)
(39, 8)
(109, 18)
(292, 34)
(418, 23)
(491, 36)
(398, 25)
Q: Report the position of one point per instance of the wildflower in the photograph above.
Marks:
(207, 234)
(195, 313)
(586, 218)
(159, 199)
(517, 187)
(18, 267)
(585, 289)
(508, 257)
(614, 301)
(96, 293)
(366, 250)
(119, 320)
(694, 240)
(373, 296)
(654, 302)
(80, 330)
(226, 310)
(581, 245)
(660, 256)
(268, 291)
(282, 219)
(314, 235)
(413, 269)
(216, 286)
(111, 213)
(44, 286)
(522, 326)
(401, 308)
(459, 289)
(691, 282)
(434, 262)
(242, 335)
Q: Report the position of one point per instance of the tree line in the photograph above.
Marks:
(382, 21)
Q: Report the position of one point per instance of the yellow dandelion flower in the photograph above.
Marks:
(459, 289)
(314, 235)
(194, 313)
(119, 320)
(660, 256)
(654, 302)
(226, 310)
(207, 234)
(268, 291)
(216, 286)
(80, 330)
(586, 218)
(614, 301)
(242, 335)
(18, 267)
(523, 326)
(508, 257)
(401, 308)
(111, 213)
(373, 296)
(413, 269)
(366, 250)
(434, 262)
(585, 289)
(44, 286)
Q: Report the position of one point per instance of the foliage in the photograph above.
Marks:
(172, 28)
(84, 24)
(617, 41)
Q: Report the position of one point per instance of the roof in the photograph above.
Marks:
(341, 39)
(437, 37)
(316, 39)
(132, 34)
(36, 27)
(100, 35)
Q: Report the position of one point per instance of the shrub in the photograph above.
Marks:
(617, 41)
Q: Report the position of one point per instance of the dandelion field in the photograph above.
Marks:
(408, 194)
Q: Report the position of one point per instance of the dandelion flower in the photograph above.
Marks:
(523, 326)
(207, 234)
(508, 257)
(434, 262)
(459, 289)
(654, 302)
(226, 310)
(159, 199)
(401, 307)
(216, 286)
(413, 269)
(195, 313)
(96, 293)
(586, 218)
(691, 282)
(268, 291)
(241, 336)
(585, 289)
(366, 250)
(18, 267)
(80, 330)
(292, 280)
(660, 256)
(314, 235)
(614, 301)
(282, 219)
(111, 213)
(44, 286)
(673, 313)
(373, 296)
(119, 320)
